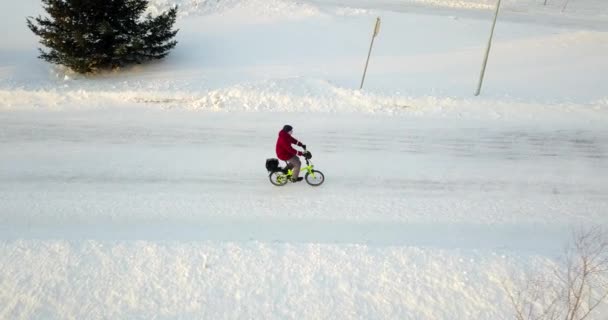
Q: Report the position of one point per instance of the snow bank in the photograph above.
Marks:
(302, 95)
(268, 8)
(574, 6)
(580, 6)
(109, 280)
(573, 12)
(303, 8)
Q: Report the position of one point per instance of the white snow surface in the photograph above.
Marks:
(141, 193)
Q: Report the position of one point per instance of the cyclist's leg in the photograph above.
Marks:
(296, 163)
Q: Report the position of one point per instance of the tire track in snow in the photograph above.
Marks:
(466, 143)
(258, 183)
(509, 144)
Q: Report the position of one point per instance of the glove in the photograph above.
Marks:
(304, 146)
(307, 155)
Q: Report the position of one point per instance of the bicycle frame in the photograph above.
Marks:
(308, 168)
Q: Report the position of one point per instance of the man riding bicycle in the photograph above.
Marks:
(287, 153)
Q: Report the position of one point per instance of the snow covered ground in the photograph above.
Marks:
(142, 194)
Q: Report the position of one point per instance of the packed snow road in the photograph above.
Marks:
(158, 175)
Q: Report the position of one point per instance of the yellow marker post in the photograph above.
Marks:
(485, 60)
(376, 32)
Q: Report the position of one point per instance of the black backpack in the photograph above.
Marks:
(272, 165)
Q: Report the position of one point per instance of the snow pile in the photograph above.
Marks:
(298, 95)
(556, 9)
(353, 7)
(208, 280)
(288, 95)
(263, 8)
(601, 104)
(295, 95)
(460, 4)
(581, 6)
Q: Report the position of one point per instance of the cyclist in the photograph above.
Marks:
(287, 153)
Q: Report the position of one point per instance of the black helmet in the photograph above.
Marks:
(287, 128)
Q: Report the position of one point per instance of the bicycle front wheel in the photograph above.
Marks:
(315, 178)
(278, 178)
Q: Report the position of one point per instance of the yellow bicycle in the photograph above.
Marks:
(279, 176)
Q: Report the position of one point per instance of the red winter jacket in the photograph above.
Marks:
(284, 149)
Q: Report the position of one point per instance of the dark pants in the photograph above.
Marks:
(296, 164)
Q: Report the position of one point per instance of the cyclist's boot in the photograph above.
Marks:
(297, 179)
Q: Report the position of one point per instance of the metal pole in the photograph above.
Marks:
(485, 59)
(376, 31)
(565, 5)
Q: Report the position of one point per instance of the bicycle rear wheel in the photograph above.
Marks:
(314, 178)
(278, 178)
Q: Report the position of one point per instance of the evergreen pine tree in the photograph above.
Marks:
(89, 35)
